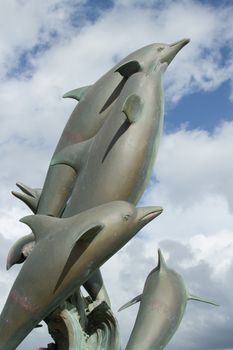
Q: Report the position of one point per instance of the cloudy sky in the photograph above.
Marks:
(50, 47)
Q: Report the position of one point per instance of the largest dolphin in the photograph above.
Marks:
(65, 261)
(95, 102)
(117, 162)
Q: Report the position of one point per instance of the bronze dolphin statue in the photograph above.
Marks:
(116, 163)
(162, 306)
(92, 237)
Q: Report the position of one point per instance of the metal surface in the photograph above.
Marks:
(162, 306)
(91, 238)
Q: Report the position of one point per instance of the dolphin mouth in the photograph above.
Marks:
(150, 214)
(180, 43)
(173, 49)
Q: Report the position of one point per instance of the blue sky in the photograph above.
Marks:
(50, 47)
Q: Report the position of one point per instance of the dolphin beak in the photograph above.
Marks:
(173, 49)
(147, 214)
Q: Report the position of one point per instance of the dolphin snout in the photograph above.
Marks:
(173, 49)
(148, 213)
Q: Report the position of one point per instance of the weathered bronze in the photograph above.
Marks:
(123, 148)
(90, 239)
(162, 306)
(86, 212)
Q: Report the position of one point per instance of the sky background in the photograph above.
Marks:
(50, 47)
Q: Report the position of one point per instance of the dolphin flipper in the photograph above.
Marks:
(77, 94)
(132, 108)
(196, 298)
(131, 302)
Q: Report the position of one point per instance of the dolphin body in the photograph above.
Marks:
(162, 306)
(116, 163)
(89, 115)
(92, 237)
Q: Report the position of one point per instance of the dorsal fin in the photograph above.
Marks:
(196, 298)
(30, 201)
(77, 94)
(131, 302)
(129, 68)
(83, 240)
(72, 155)
(133, 108)
(161, 262)
(41, 225)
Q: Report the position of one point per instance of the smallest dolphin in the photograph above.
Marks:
(161, 310)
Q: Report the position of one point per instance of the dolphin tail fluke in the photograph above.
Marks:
(31, 202)
(71, 155)
(30, 196)
(131, 302)
(20, 250)
(77, 94)
(196, 298)
(33, 192)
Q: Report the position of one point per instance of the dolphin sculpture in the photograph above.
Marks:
(95, 101)
(92, 237)
(117, 162)
(161, 310)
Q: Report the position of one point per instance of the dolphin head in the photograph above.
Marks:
(146, 58)
(128, 219)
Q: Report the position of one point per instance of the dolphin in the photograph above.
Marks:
(161, 310)
(117, 162)
(95, 102)
(65, 261)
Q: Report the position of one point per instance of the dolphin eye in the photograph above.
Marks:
(126, 217)
(160, 48)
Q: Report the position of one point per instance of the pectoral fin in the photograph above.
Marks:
(196, 298)
(77, 94)
(83, 240)
(133, 108)
(131, 302)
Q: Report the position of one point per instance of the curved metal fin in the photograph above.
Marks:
(196, 298)
(131, 302)
(33, 192)
(161, 261)
(129, 68)
(133, 108)
(16, 253)
(71, 155)
(30, 201)
(41, 225)
(77, 94)
(83, 240)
